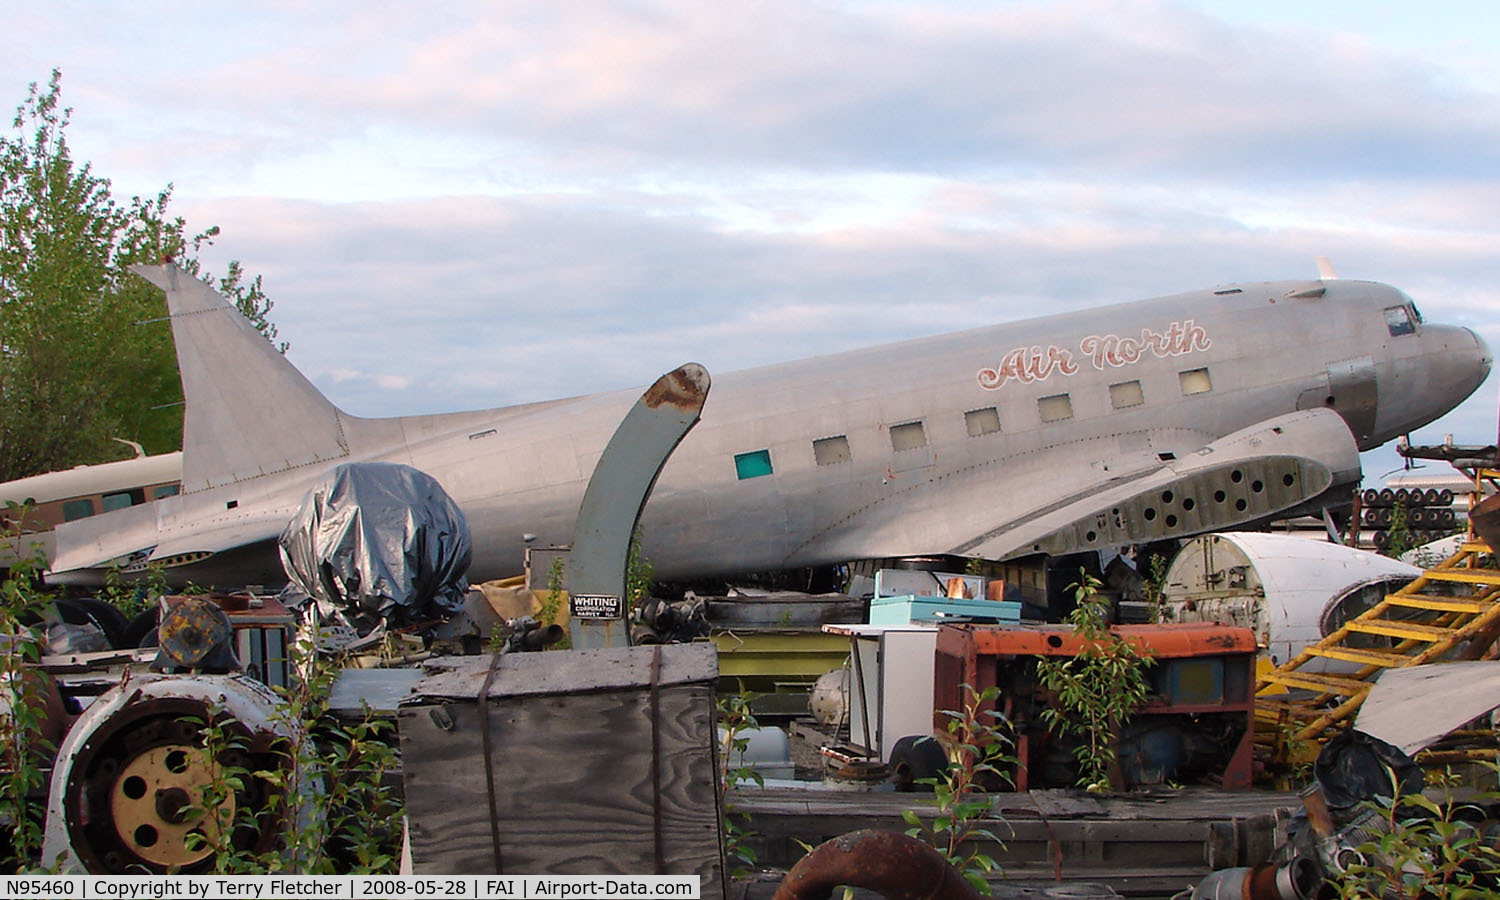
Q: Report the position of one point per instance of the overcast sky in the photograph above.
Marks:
(462, 205)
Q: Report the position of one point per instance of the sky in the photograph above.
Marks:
(458, 205)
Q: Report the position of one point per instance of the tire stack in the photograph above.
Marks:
(1428, 513)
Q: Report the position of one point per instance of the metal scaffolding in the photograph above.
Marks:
(1451, 612)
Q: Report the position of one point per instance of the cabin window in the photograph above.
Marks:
(908, 436)
(165, 490)
(831, 451)
(753, 464)
(1398, 321)
(1055, 408)
(1195, 381)
(81, 508)
(982, 421)
(1126, 394)
(121, 500)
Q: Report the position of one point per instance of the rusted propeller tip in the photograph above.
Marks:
(685, 387)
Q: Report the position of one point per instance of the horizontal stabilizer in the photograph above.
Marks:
(136, 537)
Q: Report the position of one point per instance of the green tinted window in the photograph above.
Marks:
(117, 501)
(752, 465)
(78, 509)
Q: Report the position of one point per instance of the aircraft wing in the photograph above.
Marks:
(134, 537)
(1261, 471)
(1106, 492)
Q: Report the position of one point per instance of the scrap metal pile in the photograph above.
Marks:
(1367, 826)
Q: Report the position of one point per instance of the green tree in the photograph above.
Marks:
(85, 352)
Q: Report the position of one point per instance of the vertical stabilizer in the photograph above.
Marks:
(249, 411)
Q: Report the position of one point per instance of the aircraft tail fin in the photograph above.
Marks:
(249, 411)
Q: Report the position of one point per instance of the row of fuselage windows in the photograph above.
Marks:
(831, 451)
(83, 507)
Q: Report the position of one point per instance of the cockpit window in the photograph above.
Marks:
(1398, 321)
(1415, 313)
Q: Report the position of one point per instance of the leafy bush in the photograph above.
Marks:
(1442, 849)
(977, 741)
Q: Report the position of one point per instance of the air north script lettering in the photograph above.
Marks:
(1104, 351)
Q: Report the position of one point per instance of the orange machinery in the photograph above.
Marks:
(1196, 726)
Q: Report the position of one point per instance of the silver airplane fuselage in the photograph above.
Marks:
(1157, 418)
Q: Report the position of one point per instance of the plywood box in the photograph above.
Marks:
(587, 778)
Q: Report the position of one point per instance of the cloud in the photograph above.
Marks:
(474, 302)
(476, 204)
(579, 91)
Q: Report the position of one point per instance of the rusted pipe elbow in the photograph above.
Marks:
(896, 866)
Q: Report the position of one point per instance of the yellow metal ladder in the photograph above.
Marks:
(1451, 611)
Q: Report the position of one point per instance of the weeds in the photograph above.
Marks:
(977, 742)
(550, 609)
(219, 810)
(133, 596)
(1399, 537)
(325, 786)
(1428, 849)
(315, 801)
(1155, 583)
(342, 816)
(1097, 690)
(639, 575)
(736, 718)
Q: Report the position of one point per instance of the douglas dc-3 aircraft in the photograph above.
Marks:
(1094, 429)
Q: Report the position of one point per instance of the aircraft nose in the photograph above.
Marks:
(1463, 361)
(1451, 365)
(1484, 357)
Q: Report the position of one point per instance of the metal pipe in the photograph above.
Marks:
(541, 636)
(896, 866)
(1297, 880)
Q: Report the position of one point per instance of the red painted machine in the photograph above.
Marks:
(1196, 726)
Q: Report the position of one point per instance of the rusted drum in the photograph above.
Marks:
(894, 865)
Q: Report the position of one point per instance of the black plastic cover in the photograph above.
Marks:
(379, 542)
